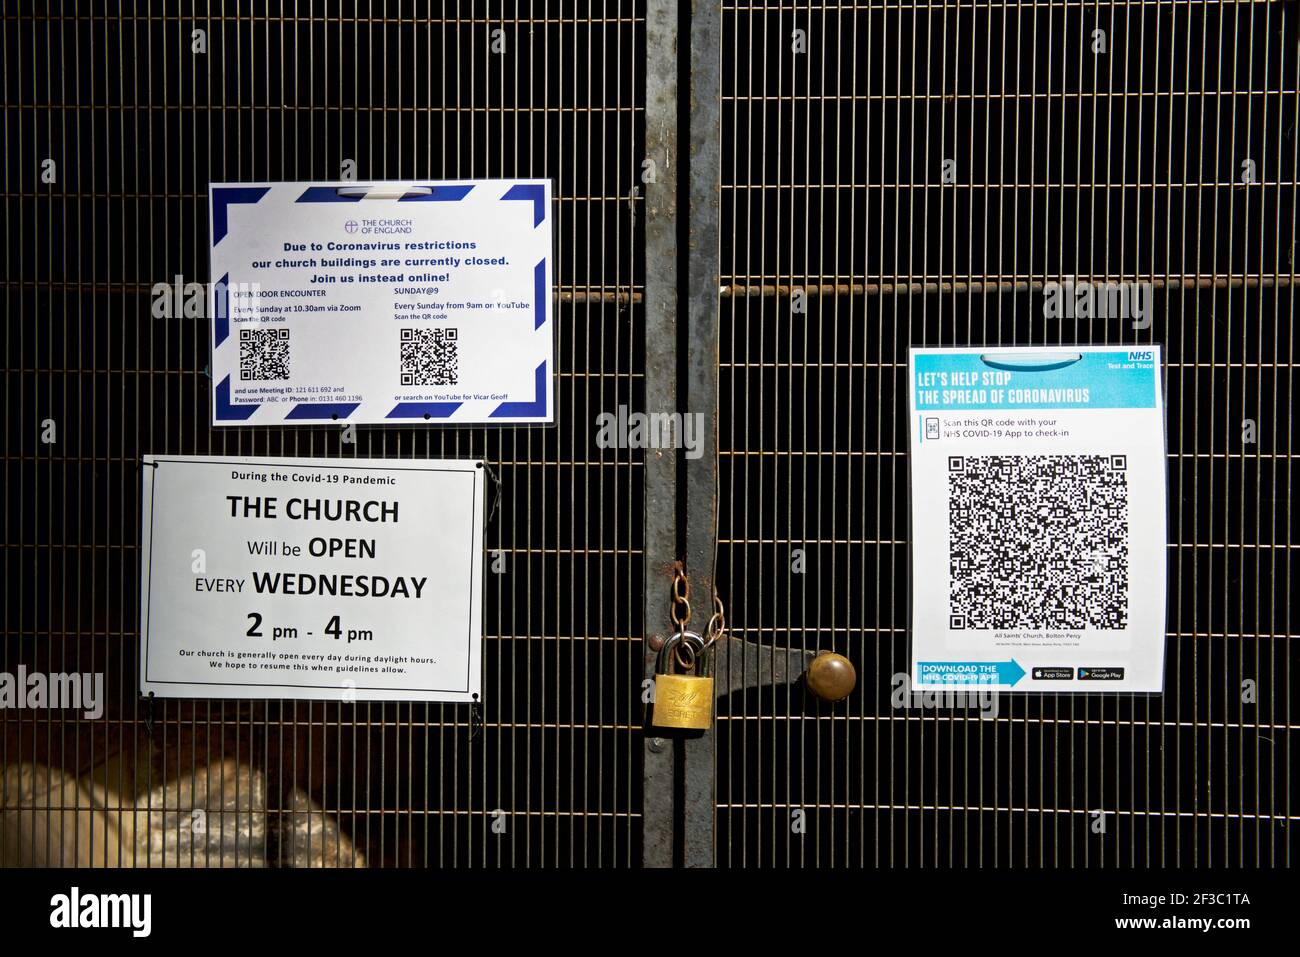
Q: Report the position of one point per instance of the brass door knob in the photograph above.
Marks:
(831, 676)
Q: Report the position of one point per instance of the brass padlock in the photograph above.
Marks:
(683, 701)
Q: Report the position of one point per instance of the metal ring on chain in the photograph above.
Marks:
(713, 631)
(681, 621)
(717, 626)
(681, 597)
(688, 661)
(681, 584)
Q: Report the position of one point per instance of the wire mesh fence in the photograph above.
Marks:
(139, 109)
(892, 174)
(901, 174)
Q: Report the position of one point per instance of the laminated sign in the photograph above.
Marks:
(392, 303)
(341, 580)
(1038, 518)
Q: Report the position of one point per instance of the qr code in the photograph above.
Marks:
(1038, 541)
(429, 357)
(263, 354)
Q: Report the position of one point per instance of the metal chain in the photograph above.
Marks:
(685, 655)
(681, 610)
(717, 626)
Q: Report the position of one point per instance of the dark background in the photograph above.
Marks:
(139, 125)
(1125, 165)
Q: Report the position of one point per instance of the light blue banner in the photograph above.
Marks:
(969, 672)
(1006, 379)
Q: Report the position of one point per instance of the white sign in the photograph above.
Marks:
(1038, 518)
(341, 580)
(390, 303)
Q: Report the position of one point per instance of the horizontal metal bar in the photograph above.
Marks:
(977, 287)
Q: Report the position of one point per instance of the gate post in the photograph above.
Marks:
(704, 172)
(660, 470)
(666, 339)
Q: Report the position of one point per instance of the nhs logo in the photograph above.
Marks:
(1141, 356)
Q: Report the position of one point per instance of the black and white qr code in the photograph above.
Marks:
(1038, 541)
(263, 354)
(429, 356)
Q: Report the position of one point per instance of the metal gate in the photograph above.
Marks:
(759, 207)
(916, 176)
(140, 109)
